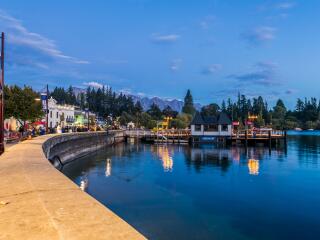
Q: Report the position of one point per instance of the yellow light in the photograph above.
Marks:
(253, 166)
(167, 161)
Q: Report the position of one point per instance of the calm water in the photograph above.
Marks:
(179, 192)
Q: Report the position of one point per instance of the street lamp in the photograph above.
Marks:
(87, 111)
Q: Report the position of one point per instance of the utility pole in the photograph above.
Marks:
(2, 96)
(47, 110)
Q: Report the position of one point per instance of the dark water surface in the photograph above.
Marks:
(182, 192)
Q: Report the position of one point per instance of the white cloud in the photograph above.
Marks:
(93, 84)
(260, 35)
(211, 69)
(170, 38)
(17, 34)
(175, 65)
(126, 91)
(264, 74)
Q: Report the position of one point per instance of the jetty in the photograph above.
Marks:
(163, 136)
(265, 137)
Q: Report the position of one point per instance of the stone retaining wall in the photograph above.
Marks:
(67, 147)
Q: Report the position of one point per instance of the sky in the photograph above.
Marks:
(216, 48)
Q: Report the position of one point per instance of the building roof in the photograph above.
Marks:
(220, 118)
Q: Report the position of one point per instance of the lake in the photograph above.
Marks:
(205, 192)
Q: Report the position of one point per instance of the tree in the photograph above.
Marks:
(169, 112)
(223, 106)
(155, 112)
(125, 118)
(138, 107)
(210, 110)
(182, 121)
(188, 106)
(147, 121)
(22, 104)
(279, 114)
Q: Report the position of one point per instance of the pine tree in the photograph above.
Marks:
(188, 107)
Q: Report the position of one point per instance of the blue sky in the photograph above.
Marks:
(161, 48)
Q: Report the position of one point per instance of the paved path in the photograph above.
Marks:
(39, 202)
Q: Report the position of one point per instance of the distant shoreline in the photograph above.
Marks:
(304, 133)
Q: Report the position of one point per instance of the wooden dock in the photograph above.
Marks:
(265, 137)
(244, 137)
(164, 136)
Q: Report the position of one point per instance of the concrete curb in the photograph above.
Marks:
(39, 202)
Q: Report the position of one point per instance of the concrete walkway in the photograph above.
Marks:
(39, 202)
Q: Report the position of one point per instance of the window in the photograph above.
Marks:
(50, 114)
(224, 128)
(211, 128)
(57, 114)
(197, 128)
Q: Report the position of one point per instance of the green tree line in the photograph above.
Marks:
(306, 114)
(21, 104)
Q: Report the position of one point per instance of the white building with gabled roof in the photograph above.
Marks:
(60, 115)
(210, 128)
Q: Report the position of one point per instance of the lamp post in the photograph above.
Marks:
(47, 111)
(2, 96)
(45, 106)
(88, 124)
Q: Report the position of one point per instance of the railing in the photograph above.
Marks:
(258, 133)
(170, 133)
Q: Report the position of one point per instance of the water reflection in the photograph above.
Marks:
(84, 183)
(200, 157)
(165, 155)
(253, 166)
(108, 167)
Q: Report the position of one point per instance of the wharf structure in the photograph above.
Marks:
(217, 129)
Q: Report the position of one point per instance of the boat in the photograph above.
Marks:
(298, 129)
(310, 129)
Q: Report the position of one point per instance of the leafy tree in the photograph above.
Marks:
(22, 104)
(188, 107)
(125, 118)
(147, 121)
(181, 121)
(210, 110)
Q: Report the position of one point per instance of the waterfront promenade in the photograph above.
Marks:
(39, 202)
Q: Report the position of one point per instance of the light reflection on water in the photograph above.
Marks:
(204, 192)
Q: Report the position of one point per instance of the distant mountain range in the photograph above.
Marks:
(146, 102)
(175, 104)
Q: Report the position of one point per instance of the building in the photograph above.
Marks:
(81, 118)
(60, 115)
(211, 128)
